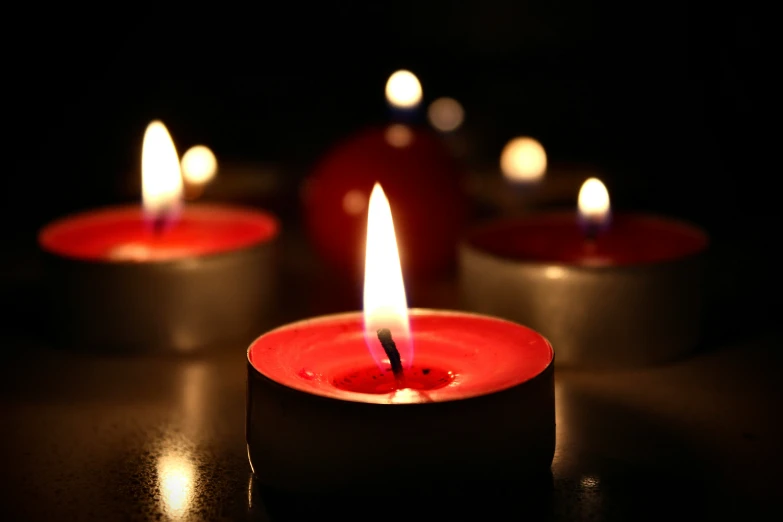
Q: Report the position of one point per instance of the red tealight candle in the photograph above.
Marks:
(385, 396)
(162, 277)
(607, 290)
(122, 233)
(457, 356)
(416, 170)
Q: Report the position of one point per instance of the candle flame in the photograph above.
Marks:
(385, 305)
(161, 178)
(594, 202)
(199, 165)
(398, 135)
(523, 160)
(446, 114)
(403, 90)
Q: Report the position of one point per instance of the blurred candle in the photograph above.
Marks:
(160, 276)
(416, 170)
(608, 290)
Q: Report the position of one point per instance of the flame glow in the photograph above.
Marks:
(403, 90)
(161, 178)
(523, 160)
(446, 114)
(199, 165)
(594, 201)
(385, 305)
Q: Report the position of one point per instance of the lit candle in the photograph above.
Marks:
(388, 395)
(163, 275)
(606, 292)
(416, 170)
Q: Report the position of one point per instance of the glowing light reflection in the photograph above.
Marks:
(176, 480)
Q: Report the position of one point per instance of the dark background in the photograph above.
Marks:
(664, 100)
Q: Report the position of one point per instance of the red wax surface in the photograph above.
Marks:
(419, 177)
(467, 356)
(122, 234)
(375, 380)
(630, 239)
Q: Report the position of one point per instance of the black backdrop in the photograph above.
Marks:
(667, 100)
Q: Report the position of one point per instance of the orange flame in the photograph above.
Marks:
(594, 204)
(385, 304)
(403, 90)
(523, 160)
(199, 165)
(161, 179)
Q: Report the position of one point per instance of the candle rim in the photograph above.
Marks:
(274, 221)
(369, 399)
(468, 243)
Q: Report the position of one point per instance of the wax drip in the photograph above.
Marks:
(390, 347)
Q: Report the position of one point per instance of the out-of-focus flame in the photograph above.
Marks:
(354, 202)
(523, 160)
(385, 305)
(594, 202)
(176, 477)
(398, 135)
(199, 165)
(446, 114)
(161, 179)
(403, 90)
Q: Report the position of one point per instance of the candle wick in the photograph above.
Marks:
(158, 224)
(390, 347)
(591, 232)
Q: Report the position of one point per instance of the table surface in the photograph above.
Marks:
(102, 437)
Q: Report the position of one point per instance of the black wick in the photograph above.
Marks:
(591, 231)
(389, 346)
(158, 224)
(160, 220)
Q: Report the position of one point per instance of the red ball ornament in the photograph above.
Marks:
(421, 180)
